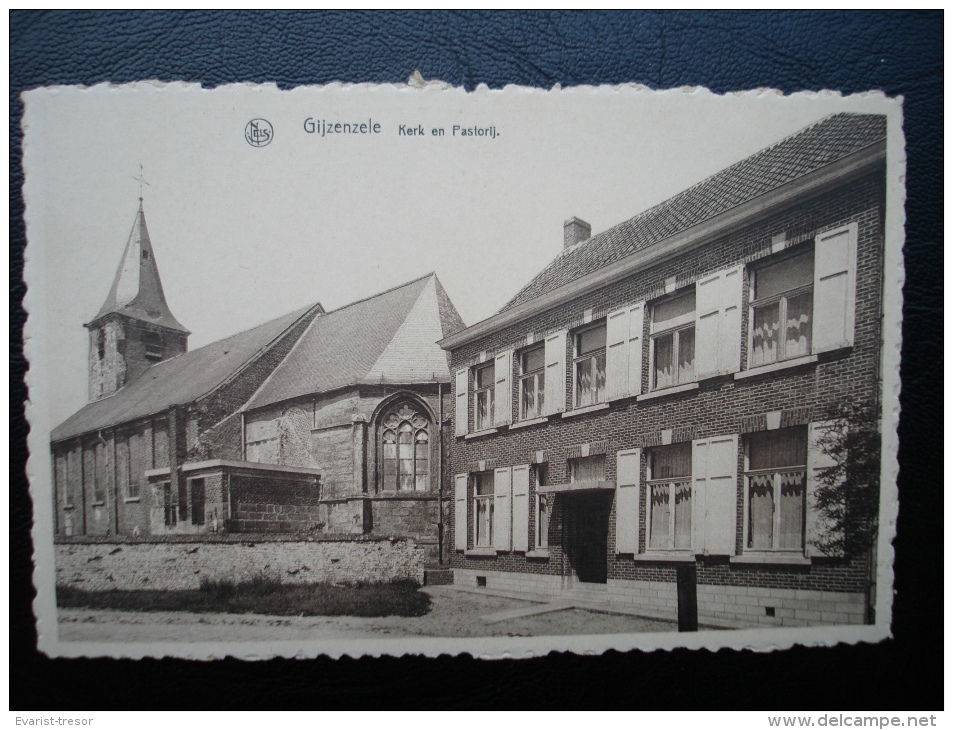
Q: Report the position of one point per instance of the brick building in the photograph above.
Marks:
(652, 399)
(296, 425)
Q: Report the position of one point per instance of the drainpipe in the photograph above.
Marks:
(243, 436)
(440, 473)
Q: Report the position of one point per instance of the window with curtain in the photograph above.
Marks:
(543, 509)
(405, 450)
(782, 309)
(587, 468)
(776, 488)
(483, 484)
(484, 380)
(670, 497)
(589, 365)
(673, 341)
(532, 383)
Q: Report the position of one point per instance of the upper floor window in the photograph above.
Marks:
(670, 497)
(673, 341)
(153, 344)
(589, 366)
(483, 484)
(484, 380)
(532, 383)
(776, 477)
(782, 309)
(587, 468)
(405, 450)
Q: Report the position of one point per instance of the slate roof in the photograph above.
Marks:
(391, 337)
(821, 144)
(137, 290)
(179, 380)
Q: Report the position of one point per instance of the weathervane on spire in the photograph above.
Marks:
(142, 181)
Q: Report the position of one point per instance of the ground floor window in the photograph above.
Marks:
(543, 510)
(776, 480)
(483, 509)
(670, 497)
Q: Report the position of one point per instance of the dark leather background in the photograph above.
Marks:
(899, 52)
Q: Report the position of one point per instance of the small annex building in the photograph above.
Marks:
(653, 398)
(315, 422)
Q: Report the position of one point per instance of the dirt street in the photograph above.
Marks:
(453, 614)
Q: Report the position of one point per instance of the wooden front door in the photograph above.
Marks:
(588, 536)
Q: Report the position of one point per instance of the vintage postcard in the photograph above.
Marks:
(384, 370)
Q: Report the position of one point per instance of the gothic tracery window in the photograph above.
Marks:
(405, 450)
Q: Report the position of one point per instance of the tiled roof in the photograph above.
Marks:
(390, 338)
(137, 290)
(178, 380)
(822, 143)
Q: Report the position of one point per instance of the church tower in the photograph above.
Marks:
(134, 328)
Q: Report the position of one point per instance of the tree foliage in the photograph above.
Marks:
(849, 492)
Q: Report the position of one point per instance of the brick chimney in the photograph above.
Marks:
(575, 231)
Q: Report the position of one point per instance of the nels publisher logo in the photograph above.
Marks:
(259, 132)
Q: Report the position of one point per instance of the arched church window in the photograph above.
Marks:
(405, 450)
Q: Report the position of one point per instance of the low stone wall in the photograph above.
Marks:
(167, 565)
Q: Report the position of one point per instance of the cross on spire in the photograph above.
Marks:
(141, 180)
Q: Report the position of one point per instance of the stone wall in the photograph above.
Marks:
(175, 564)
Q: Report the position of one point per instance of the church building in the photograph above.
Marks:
(314, 422)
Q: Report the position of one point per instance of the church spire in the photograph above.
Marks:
(134, 328)
(137, 289)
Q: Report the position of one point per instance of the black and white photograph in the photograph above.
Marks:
(404, 369)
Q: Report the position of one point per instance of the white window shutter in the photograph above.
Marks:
(636, 323)
(835, 273)
(718, 301)
(502, 536)
(503, 396)
(555, 355)
(460, 512)
(628, 481)
(617, 353)
(715, 494)
(521, 507)
(624, 351)
(817, 526)
(462, 415)
(732, 304)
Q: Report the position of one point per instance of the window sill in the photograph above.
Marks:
(684, 388)
(480, 552)
(770, 559)
(392, 494)
(129, 500)
(98, 503)
(481, 434)
(585, 409)
(538, 554)
(775, 366)
(69, 506)
(665, 556)
(530, 422)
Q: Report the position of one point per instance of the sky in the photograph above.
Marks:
(242, 234)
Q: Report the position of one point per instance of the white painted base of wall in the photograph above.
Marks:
(745, 606)
(722, 606)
